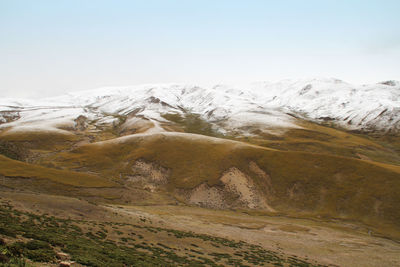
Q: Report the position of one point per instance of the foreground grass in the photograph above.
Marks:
(38, 237)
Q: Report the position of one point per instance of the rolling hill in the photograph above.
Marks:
(320, 150)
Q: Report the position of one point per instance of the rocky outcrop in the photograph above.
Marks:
(81, 123)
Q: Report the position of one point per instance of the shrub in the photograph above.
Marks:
(36, 244)
(41, 255)
(16, 249)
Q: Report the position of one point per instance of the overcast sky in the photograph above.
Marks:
(52, 47)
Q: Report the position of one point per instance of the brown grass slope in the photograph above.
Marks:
(39, 139)
(14, 168)
(317, 138)
(300, 183)
(312, 137)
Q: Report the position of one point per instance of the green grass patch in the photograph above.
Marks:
(193, 123)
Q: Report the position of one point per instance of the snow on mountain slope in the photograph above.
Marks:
(367, 107)
(265, 105)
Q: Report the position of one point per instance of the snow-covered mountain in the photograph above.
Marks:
(267, 105)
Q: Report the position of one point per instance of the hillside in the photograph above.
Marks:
(217, 173)
(261, 159)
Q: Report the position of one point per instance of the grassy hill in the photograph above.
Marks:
(296, 183)
(315, 171)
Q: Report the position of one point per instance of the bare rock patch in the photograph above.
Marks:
(234, 190)
(148, 175)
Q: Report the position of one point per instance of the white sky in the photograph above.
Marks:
(52, 47)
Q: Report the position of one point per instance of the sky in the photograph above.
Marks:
(52, 47)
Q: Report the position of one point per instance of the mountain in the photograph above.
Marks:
(229, 108)
(266, 163)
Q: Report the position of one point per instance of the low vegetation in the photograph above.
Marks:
(39, 237)
(193, 123)
(13, 150)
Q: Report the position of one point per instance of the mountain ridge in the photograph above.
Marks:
(367, 108)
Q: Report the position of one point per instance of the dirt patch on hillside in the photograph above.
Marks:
(148, 175)
(267, 189)
(204, 195)
(242, 185)
(234, 190)
(239, 184)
